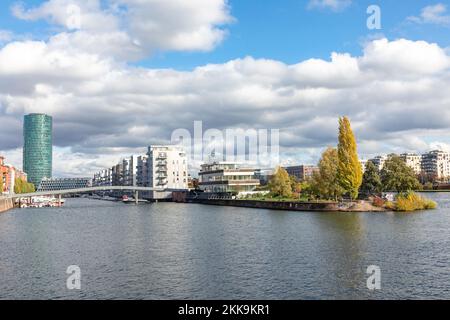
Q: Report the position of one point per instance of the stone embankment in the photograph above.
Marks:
(357, 206)
(6, 204)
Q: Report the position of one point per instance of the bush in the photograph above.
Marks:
(412, 201)
(378, 202)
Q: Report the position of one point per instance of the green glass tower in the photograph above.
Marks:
(37, 147)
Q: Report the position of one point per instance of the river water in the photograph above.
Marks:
(190, 251)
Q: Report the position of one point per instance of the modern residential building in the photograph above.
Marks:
(103, 178)
(227, 177)
(167, 168)
(142, 171)
(379, 161)
(37, 148)
(130, 171)
(437, 164)
(56, 184)
(302, 172)
(414, 161)
(363, 164)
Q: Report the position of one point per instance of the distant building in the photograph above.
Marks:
(302, 172)
(103, 178)
(414, 161)
(129, 166)
(56, 184)
(264, 175)
(363, 164)
(37, 148)
(437, 164)
(379, 161)
(142, 171)
(227, 177)
(167, 168)
(8, 175)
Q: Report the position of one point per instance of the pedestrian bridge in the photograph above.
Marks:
(87, 190)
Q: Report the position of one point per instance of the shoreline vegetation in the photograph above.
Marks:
(341, 178)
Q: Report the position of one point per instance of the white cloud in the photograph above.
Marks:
(335, 5)
(434, 14)
(132, 29)
(105, 110)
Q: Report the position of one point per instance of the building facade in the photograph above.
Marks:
(56, 184)
(414, 161)
(437, 164)
(142, 171)
(37, 148)
(167, 168)
(379, 161)
(103, 178)
(302, 172)
(217, 177)
(8, 176)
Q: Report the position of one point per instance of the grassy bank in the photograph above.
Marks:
(411, 201)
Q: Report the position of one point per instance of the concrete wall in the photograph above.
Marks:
(360, 206)
(5, 205)
(274, 205)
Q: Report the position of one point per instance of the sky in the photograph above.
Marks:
(119, 75)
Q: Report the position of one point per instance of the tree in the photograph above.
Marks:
(296, 185)
(18, 186)
(324, 183)
(349, 168)
(280, 184)
(371, 180)
(21, 186)
(397, 176)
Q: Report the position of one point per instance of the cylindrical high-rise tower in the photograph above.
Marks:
(37, 147)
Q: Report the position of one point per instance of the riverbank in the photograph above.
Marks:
(358, 206)
(6, 204)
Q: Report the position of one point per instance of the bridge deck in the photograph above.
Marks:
(86, 190)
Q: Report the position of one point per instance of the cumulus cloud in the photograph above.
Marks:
(131, 29)
(335, 5)
(396, 94)
(434, 14)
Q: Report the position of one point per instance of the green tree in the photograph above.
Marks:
(397, 176)
(296, 185)
(324, 183)
(280, 184)
(21, 186)
(371, 180)
(18, 186)
(349, 167)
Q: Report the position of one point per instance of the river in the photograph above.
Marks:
(191, 251)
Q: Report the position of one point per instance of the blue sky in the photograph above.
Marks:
(284, 30)
(130, 75)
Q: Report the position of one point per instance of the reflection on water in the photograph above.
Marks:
(181, 251)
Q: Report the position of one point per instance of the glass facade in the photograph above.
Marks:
(37, 148)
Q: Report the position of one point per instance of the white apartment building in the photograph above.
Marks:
(379, 161)
(129, 173)
(437, 163)
(363, 164)
(102, 178)
(414, 161)
(167, 168)
(227, 177)
(142, 171)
